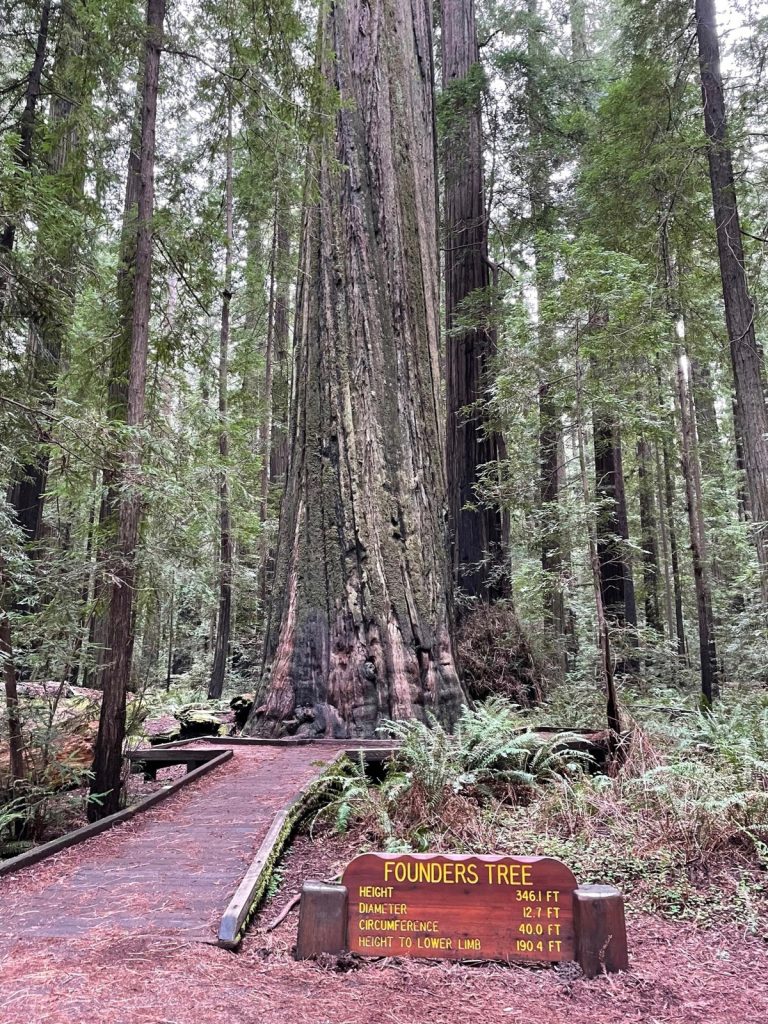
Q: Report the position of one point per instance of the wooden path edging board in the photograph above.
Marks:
(249, 893)
(80, 835)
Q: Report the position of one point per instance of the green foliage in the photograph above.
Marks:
(458, 100)
(436, 777)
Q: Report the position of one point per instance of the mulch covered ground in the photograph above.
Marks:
(679, 974)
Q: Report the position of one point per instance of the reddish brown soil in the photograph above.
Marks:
(110, 972)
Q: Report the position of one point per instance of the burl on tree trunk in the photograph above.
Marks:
(358, 626)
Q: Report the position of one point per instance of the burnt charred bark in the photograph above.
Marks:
(358, 624)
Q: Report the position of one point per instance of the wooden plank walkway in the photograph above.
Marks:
(171, 869)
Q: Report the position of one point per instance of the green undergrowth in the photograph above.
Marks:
(681, 828)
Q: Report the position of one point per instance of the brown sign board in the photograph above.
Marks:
(460, 907)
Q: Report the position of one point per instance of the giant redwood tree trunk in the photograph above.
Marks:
(476, 525)
(358, 627)
(750, 413)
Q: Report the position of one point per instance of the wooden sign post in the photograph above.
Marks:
(462, 907)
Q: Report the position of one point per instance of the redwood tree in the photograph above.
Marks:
(107, 760)
(358, 625)
(476, 526)
(750, 413)
(28, 483)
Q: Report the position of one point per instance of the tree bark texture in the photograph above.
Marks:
(751, 416)
(108, 751)
(358, 624)
(477, 527)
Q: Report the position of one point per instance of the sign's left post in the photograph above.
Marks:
(322, 920)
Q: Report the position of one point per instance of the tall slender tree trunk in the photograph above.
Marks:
(27, 485)
(649, 539)
(613, 713)
(550, 425)
(15, 737)
(171, 637)
(224, 617)
(72, 87)
(692, 476)
(617, 584)
(117, 401)
(710, 451)
(665, 547)
(674, 547)
(359, 626)
(108, 750)
(25, 148)
(477, 527)
(751, 416)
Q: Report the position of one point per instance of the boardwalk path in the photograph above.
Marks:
(170, 870)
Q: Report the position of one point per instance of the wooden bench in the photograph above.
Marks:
(148, 761)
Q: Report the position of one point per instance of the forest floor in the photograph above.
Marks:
(680, 974)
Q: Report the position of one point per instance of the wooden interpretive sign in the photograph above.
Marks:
(460, 907)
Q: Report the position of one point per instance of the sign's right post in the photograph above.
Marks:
(600, 930)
